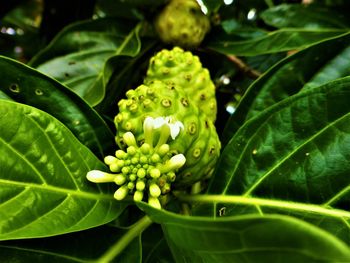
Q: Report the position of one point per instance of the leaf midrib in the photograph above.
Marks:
(44, 252)
(281, 204)
(296, 149)
(271, 249)
(50, 188)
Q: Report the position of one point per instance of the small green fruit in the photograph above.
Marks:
(197, 140)
(182, 23)
(183, 69)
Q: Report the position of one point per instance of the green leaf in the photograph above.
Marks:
(305, 16)
(212, 5)
(78, 54)
(155, 247)
(4, 96)
(82, 246)
(26, 85)
(277, 41)
(127, 73)
(308, 68)
(296, 150)
(249, 238)
(44, 190)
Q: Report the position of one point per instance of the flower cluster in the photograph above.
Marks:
(145, 170)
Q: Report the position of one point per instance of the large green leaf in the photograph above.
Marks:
(250, 238)
(78, 54)
(127, 73)
(82, 246)
(28, 86)
(155, 247)
(276, 41)
(306, 16)
(308, 68)
(44, 190)
(296, 150)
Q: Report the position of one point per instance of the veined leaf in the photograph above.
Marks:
(296, 150)
(308, 68)
(277, 41)
(44, 190)
(305, 16)
(127, 73)
(82, 246)
(154, 246)
(249, 238)
(26, 85)
(78, 54)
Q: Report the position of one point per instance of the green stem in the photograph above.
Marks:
(125, 240)
(233, 199)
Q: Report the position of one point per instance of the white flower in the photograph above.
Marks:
(174, 126)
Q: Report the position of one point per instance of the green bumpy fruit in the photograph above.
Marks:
(182, 23)
(180, 68)
(197, 141)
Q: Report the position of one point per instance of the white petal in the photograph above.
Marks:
(159, 122)
(175, 129)
(148, 123)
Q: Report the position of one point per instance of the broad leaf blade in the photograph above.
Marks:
(277, 41)
(127, 72)
(248, 239)
(28, 86)
(308, 68)
(78, 54)
(82, 246)
(306, 16)
(44, 190)
(296, 150)
(154, 246)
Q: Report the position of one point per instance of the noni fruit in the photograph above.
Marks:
(182, 23)
(183, 69)
(165, 142)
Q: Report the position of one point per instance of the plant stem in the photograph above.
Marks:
(244, 67)
(233, 199)
(125, 240)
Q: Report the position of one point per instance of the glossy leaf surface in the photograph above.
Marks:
(296, 150)
(78, 55)
(44, 190)
(308, 68)
(250, 238)
(306, 16)
(26, 85)
(276, 41)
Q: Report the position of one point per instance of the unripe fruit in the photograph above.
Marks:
(182, 23)
(197, 140)
(183, 69)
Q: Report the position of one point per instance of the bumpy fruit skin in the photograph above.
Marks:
(182, 68)
(182, 23)
(198, 141)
